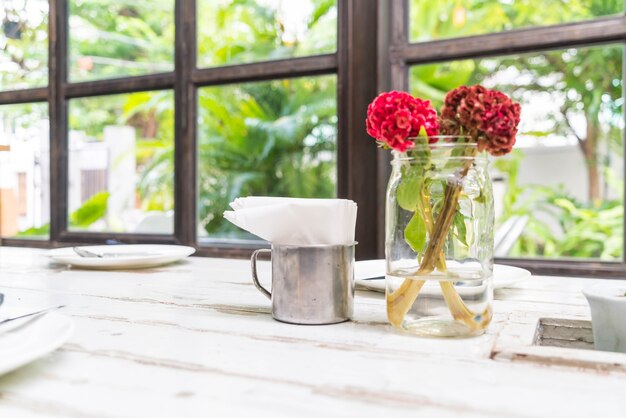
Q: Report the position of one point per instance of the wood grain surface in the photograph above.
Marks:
(196, 339)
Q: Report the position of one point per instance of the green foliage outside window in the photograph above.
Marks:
(279, 137)
(109, 39)
(271, 138)
(583, 230)
(586, 82)
(23, 44)
(91, 211)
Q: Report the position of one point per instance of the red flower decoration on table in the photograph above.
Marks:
(488, 117)
(395, 117)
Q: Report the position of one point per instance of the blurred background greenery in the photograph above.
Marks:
(279, 137)
(569, 97)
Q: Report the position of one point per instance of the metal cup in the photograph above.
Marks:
(310, 285)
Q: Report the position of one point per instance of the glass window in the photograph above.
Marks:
(25, 171)
(23, 44)
(560, 194)
(121, 163)
(274, 138)
(455, 18)
(109, 39)
(240, 31)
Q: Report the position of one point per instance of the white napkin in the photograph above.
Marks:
(292, 221)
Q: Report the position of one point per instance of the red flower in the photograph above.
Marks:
(395, 117)
(488, 117)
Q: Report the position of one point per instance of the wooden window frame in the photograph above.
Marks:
(373, 54)
(357, 159)
(402, 54)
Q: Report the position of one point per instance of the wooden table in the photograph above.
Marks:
(196, 339)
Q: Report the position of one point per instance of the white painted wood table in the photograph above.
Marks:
(196, 339)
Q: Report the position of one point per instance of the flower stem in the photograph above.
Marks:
(408, 291)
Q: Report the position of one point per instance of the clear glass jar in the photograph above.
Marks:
(439, 240)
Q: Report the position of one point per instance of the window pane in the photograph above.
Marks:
(231, 32)
(455, 18)
(25, 171)
(275, 138)
(121, 163)
(562, 189)
(23, 44)
(109, 39)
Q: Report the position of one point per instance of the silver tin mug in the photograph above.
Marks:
(311, 285)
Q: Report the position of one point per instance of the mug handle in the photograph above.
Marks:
(255, 277)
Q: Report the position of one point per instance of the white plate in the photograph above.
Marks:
(20, 346)
(125, 256)
(374, 270)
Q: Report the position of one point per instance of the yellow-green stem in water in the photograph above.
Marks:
(401, 300)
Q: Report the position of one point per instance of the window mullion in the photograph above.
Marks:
(514, 41)
(57, 104)
(266, 70)
(357, 159)
(185, 109)
(39, 94)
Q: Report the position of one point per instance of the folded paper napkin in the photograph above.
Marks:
(291, 221)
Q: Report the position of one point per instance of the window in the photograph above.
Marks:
(25, 171)
(141, 122)
(561, 192)
(160, 114)
(109, 39)
(121, 162)
(242, 32)
(23, 44)
(455, 18)
(574, 211)
(279, 138)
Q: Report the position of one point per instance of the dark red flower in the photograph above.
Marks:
(395, 117)
(488, 117)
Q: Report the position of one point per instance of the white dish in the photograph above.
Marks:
(22, 345)
(370, 275)
(122, 256)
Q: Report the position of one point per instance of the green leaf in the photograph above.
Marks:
(537, 133)
(92, 210)
(461, 229)
(408, 193)
(415, 232)
(41, 231)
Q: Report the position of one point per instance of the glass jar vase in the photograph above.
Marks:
(439, 240)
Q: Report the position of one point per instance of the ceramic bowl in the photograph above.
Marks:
(608, 315)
